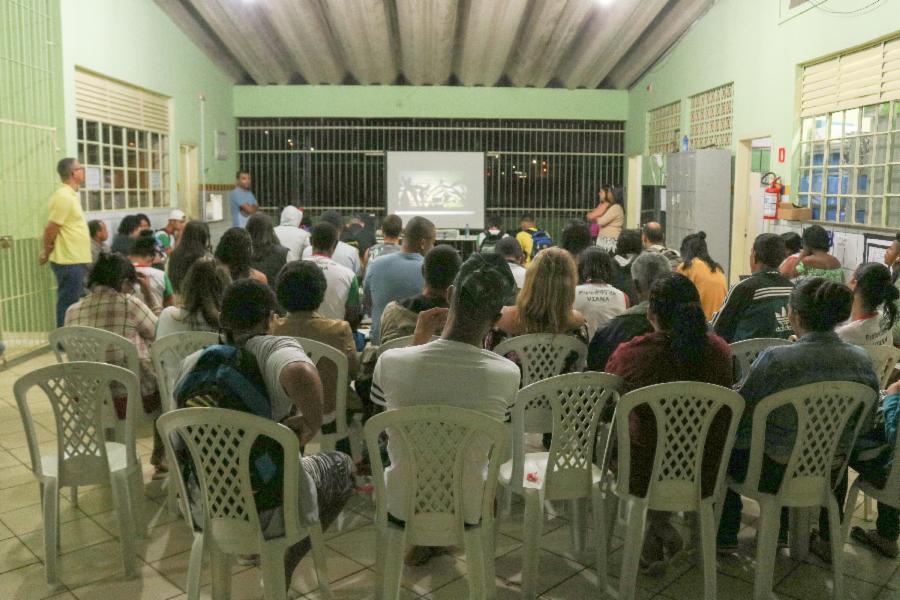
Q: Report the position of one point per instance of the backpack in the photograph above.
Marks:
(229, 377)
(540, 240)
(490, 240)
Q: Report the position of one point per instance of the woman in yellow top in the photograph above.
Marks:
(608, 218)
(708, 275)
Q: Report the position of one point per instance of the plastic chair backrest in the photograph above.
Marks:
(76, 391)
(218, 442)
(436, 440)
(823, 412)
(884, 359)
(317, 351)
(543, 355)
(92, 344)
(684, 412)
(167, 354)
(574, 403)
(400, 342)
(745, 352)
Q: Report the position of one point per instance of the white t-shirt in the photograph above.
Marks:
(866, 332)
(599, 303)
(174, 319)
(294, 239)
(518, 272)
(450, 374)
(158, 283)
(340, 280)
(344, 255)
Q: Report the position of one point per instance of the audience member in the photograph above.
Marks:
(794, 244)
(128, 231)
(295, 394)
(493, 233)
(510, 249)
(290, 234)
(757, 306)
(653, 238)
(452, 371)
(167, 237)
(817, 306)
(235, 251)
(575, 237)
(679, 349)
(268, 255)
(705, 273)
(241, 200)
(628, 248)
(398, 275)
(609, 218)
(595, 298)
(112, 305)
(391, 229)
(144, 222)
(646, 269)
(532, 238)
(356, 234)
(342, 294)
(301, 290)
(874, 310)
(344, 254)
(142, 255)
(439, 270)
(99, 234)
(200, 301)
(814, 258)
(193, 246)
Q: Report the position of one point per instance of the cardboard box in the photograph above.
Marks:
(789, 213)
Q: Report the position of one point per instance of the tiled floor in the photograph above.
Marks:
(90, 565)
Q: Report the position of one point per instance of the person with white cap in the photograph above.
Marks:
(167, 236)
(289, 233)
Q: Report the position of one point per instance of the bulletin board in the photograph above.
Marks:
(876, 246)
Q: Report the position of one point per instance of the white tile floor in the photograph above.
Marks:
(90, 566)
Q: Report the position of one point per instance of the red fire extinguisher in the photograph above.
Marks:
(772, 196)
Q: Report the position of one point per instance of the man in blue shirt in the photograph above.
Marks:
(241, 200)
(398, 275)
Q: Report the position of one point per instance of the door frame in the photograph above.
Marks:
(189, 179)
(740, 208)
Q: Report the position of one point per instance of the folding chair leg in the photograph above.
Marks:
(220, 570)
(125, 520)
(708, 530)
(50, 502)
(317, 542)
(391, 542)
(766, 547)
(534, 522)
(636, 521)
(195, 568)
(837, 546)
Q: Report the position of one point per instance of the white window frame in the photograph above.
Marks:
(711, 118)
(664, 128)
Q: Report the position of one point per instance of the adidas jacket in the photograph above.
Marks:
(756, 308)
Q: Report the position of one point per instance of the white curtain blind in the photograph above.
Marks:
(100, 99)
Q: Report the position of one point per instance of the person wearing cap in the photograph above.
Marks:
(167, 237)
(451, 371)
(289, 233)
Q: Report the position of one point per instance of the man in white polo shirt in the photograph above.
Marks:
(342, 294)
(452, 371)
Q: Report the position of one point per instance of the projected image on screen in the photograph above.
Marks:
(445, 187)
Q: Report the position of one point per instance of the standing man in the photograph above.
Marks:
(167, 237)
(242, 201)
(67, 243)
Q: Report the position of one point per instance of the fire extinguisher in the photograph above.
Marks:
(772, 195)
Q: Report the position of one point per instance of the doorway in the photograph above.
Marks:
(747, 214)
(188, 178)
(633, 189)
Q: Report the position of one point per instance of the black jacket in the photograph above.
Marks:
(623, 328)
(756, 308)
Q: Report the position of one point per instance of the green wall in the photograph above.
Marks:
(428, 101)
(750, 43)
(135, 42)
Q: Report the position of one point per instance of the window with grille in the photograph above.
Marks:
(549, 168)
(711, 121)
(664, 128)
(123, 144)
(848, 163)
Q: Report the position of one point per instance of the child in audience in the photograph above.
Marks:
(704, 272)
(874, 307)
(200, 302)
(595, 298)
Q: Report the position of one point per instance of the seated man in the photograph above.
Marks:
(452, 371)
(645, 270)
(439, 269)
(511, 251)
(653, 239)
(290, 234)
(391, 229)
(295, 394)
(757, 306)
(344, 254)
(342, 295)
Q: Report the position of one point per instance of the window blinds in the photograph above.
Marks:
(100, 99)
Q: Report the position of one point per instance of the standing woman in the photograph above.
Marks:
(192, 246)
(874, 311)
(705, 273)
(609, 218)
(268, 254)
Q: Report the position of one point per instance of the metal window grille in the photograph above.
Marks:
(664, 128)
(711, 118)
(549, 168)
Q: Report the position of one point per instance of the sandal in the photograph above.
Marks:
(874, 540)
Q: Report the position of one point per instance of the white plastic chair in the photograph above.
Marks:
(317, 351)
(437, 440)
(571, 405)
(884, 359)
(83, 457)
(543, 355)
(400, 342)
(218, 443)
(823, 411)
(684, 413)
(745, 353)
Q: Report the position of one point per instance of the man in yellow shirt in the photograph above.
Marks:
(67, 243)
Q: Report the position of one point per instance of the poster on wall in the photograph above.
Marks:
(876, 246)
(848, 248)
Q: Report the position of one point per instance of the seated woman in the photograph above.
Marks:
(595, 298)
(874, 311)
(680, 349)
(794, 244)
(628, 247)
(268, 253)
(201, 300)
(815, 308)
(235, 251)
(704, 272)
(112, 305)
(814, 258)
(545, 304)
(192, 246)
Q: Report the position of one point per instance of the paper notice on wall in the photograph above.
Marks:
(155, 180)
(92, 178)
(876, 246)
(849, 248)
